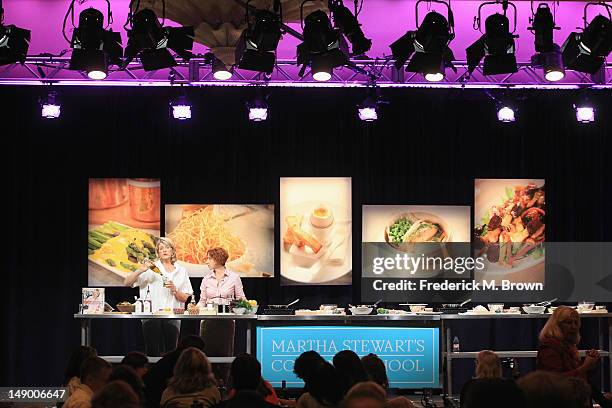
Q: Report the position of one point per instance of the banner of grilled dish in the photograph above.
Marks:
(417, 232)
(511, 230)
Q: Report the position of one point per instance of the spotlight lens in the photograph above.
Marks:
(258, 114)
(505, 114)
(181, 112)
(222, 75)
(368, 114)
(554, 76)
(50, 111)
(437, 77)
(321, 76)
(97, 75)
(585, 114)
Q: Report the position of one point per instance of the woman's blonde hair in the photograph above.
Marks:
(167, 242)
(551, 329)
(488, 365)
(192, 372)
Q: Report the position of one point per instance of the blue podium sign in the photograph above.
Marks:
(410, 354)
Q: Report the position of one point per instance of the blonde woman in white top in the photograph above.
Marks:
(169, 289)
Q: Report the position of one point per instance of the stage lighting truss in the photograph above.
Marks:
(94, 47)
(587, 51)
(496, 44)
(151, 41)
(14, 42)
(428, 45)
(548, 55)
(45, 70)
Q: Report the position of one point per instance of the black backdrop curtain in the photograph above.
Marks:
(426, 148)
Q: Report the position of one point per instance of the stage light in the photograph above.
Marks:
(367, 111)
(50, 107)
(587, 51)
(258, 114)
(348, 24)
(505, 114)
(152, 42)
(256, 47)
(220, 70)
(548, 55)
(429, 44)
(584, 113)
(14, 42)
(93, 47)
(496, 45)
(181, 108)
(323, 48)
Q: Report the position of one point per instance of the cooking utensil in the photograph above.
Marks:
(546, 302)
(283, 306)
(465, 302)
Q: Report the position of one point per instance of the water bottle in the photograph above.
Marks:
(456, 346)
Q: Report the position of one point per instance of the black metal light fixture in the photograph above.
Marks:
(548, 55)
(324, 48)
(496, 45)
(428, 45)
(152, 42)
(93, 47)
(349, 25)
(587, 51)
(256, 47)
(14, 42)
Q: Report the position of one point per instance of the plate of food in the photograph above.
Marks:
(414, 227)
(246, 232)
(316, 242)
(510, 227)
(119, 248)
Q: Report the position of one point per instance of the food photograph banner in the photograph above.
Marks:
(315, 235)
(124, 222)
(245, 231)
(510, 229)
(410, 354)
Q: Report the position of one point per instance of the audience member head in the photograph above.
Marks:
(488, 365)
(366, 394)
(306, 364)
(116, 394)
(95, 372)
(245, 372)
(349, 368)
(494, 392)
(128, 375)
(138, 361)
(190, 341)
(192, 372)
(544, 389)
(80, 354)
(581, 392)
(375, 368)
(326, 386)
(563, 324)
(246, 398)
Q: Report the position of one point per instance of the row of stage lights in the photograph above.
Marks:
(180, 109)
(325, 47)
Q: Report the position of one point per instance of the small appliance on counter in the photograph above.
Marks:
(279, 310)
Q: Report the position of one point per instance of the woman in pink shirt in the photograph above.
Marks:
(220, 283)
(217, 286)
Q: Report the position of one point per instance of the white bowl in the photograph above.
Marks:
(533, 309)
(417, 307)
(361, 310)
(496, 307)
(586, 306)
(239, 310)
(253, 310)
